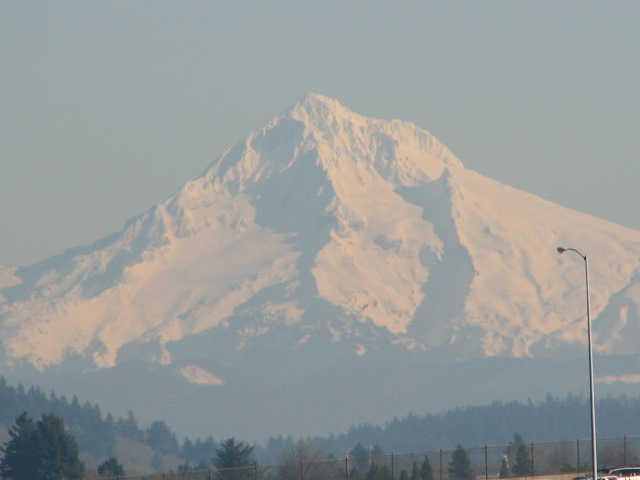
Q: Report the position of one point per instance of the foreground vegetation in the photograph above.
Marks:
(44, 450)
(155, 447)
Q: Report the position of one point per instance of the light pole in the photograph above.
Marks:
(594, 458)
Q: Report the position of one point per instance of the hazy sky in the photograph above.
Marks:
(107, 108)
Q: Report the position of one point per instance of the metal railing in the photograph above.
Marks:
(551, 461)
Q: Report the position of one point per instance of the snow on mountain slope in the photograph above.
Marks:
(7, 276)
(179, 280)
(523, 293)
(327, 221)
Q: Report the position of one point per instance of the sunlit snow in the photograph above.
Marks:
(200, 376)
(328, 221)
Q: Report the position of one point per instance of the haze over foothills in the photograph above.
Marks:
(110, 107)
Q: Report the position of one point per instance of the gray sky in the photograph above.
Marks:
(107, 108)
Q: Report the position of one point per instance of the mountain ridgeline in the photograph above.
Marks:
(325, 271)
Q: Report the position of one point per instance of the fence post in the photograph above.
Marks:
(578, 450)
(301, 471)
(624, 455)
(486, 464)
(392, 472)
(440, 464)
(346, 466)
(255, 470)
(532, 459)
(209, 475)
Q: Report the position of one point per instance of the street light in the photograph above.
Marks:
(594, 458)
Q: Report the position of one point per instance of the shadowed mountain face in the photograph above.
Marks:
(325, 244)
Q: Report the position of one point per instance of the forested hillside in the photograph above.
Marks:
(101, 436)
(552, 420)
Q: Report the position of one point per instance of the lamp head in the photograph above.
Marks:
(561, 249)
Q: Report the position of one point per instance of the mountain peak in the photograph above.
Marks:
(321, 214)
(320, 130)
(312, 98)
(329, 114)
(313, 108)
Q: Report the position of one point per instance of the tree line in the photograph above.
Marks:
(44, 450)
(97, 435)
(552, 419)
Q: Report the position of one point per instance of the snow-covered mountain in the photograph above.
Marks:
(324, 239)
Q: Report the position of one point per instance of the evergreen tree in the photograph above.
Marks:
(232, 460)
(111, 468)
(17, 462)
(198, 453)
(187, 448)
(92, 433)
(129, 428)
(404, 475)
(41, 450)
(415, 472)
(459, 467)
(359, 458)
(513, 447)
(523, 465)
(521, 459)
(161, 438)
(378, 472)
(426, 472)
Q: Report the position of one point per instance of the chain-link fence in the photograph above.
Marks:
(549, 461)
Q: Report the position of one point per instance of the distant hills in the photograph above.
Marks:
(146, 448)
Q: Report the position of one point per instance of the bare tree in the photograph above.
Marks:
(301, 461)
